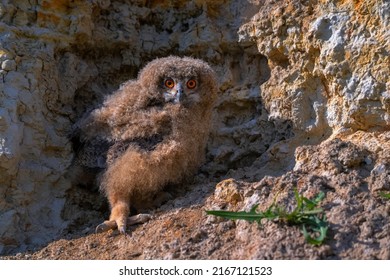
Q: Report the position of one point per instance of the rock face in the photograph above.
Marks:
(304, 102)
(333, 60)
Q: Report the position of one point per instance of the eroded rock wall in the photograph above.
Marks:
(329, 63)
(291, 73)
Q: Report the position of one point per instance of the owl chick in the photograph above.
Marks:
(151, 132)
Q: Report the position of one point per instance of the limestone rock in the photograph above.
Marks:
(304, 102)
(328, 69)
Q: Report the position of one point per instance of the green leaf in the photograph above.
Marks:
(249, 216)
(385, 195)
(320, 197)
(323, 229)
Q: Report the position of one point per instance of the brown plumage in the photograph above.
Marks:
(151, 132)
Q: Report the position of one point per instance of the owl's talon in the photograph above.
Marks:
(122, 230)
(138, 219)
(105, 226)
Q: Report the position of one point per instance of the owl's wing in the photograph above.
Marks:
(141, 144)
(129, 113)
(97, 153)
(92, 154)
(129, 117)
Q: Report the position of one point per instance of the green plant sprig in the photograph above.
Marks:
(385, 195)
(306, 213)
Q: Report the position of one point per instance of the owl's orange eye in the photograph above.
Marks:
(191, 84)
(169, 83)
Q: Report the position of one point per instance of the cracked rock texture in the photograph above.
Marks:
(304, 103)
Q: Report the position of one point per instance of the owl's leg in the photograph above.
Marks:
(118, 218)
(119, 213)
(137, 219)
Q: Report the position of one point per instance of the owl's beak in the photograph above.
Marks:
(179, 93)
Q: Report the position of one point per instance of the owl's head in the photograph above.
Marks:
(183, 81)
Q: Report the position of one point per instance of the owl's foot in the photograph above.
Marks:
(120, 210)
(112, 224)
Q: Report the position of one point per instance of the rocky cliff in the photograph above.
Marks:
(304, 103)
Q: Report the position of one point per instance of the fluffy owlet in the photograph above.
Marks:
(151, 132)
